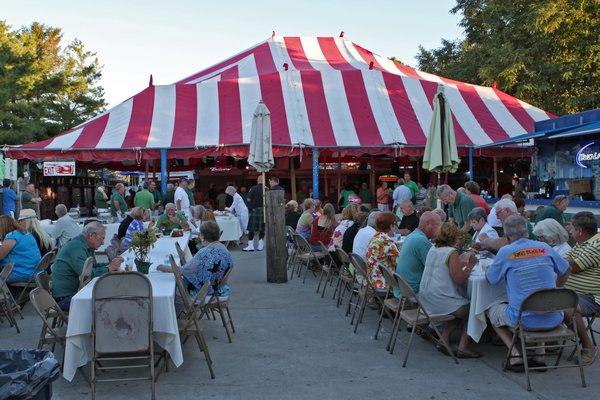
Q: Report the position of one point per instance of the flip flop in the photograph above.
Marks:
(463, 354)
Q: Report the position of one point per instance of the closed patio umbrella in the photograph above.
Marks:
(261, 145)
(441, 154)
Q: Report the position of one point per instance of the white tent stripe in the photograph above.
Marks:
(464, 116)
(534, 112)
(314, 54)
(163, 117)
(421, 106)
(66, 141)
(207, 117)
(506, 120)
(116, 128)
(339, 110)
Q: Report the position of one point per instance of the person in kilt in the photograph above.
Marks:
(256, 222)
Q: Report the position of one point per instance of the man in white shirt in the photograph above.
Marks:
(66, 228)
(182, 201)
(364, 235)
(401, 193)
(492, 219)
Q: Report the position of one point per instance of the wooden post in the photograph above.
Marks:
(293, 177)
(325, 180)
(275, 237)
(339, 180)
(495, 177)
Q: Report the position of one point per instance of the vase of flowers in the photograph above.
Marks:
(141, 243)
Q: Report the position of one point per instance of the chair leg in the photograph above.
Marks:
(394, 334)
(220, 310)
(526, 363)
(230, 319)
(410, 340)
(321, 279)
(379, 323)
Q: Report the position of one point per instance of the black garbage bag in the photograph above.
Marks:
(26, 372)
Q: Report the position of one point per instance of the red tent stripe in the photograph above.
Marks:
(230, 109)
(404, 111)
(368, 57)
(221, 65)
(272, 94)
(184, 128)
(516, 109)
(141, 119)
(314, 95)
(92, 132)
(356, 93)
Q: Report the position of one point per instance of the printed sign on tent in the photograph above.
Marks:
(59, 168)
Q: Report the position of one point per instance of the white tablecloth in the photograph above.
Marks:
(79, 332)
(165, 246)
(230, 226)
(483, 295)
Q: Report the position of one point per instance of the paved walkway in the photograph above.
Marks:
(291, 344)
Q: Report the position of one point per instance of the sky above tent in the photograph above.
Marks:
(172, 40)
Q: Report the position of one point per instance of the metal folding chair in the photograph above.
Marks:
(180, 253)
(346, 280)
(221, 305)
(390, 305)
(305, 255)
(8, 306)
(189, 320)
(42, 265)
(329, 268)
(86, 272)
(122, 328)
(366, 291)
(543, 301)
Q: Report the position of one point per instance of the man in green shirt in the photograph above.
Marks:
(189, 189)
(118, 207)
(170, 195)
(70, 259)
(157, 197)
(100, 197)
(30, 199)
(172, 219)
(554, 210)
(459, 205)
(366, 195)
(410, 184)
(144, 199)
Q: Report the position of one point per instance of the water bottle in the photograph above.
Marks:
(128, 264)
(167, 261)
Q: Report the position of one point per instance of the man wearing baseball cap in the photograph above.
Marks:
(182, 201)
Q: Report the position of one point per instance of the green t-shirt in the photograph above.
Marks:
(116, 196)
(26, 202)
(413, 187)
(144, 199)
(190, 194)
(69, 264)
(165, 224)
(366, 196)
(157, 196)
(169, 198)
(460, 209)
(99, 200)
(345, 194)
(550, 212)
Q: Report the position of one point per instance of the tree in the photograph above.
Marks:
(545, 52)
(44, 89)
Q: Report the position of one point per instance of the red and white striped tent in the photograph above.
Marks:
(323, 92)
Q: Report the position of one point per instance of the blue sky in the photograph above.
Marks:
(173, 39)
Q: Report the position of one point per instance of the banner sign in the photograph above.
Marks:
(59, 168)
(586, 155)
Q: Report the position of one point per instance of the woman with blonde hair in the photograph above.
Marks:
(29, 222)
(291, 214)
(348, 214)
(139, 215)
(305, 221)
(18, 247)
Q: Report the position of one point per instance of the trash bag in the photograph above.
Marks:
(27, 373)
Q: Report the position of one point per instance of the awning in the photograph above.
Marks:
(322, 92)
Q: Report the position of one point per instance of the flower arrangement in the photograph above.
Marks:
(142, 242)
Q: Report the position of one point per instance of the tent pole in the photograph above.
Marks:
(495, 177)
(471, 163)
(264, 198)
(293, 176)
(325, 180)
(339, 180)
(315, 159)
(163, 171)
(372, 180)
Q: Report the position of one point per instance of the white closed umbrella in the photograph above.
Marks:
(261, 144)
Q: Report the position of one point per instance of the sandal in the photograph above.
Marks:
(518, 368)
(468, 354)
(442, 349)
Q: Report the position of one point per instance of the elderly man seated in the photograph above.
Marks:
(66, 228)
(526, 266)
(554, 210)
(172, 219)
(410, 220)
(504, 209)
(70, 259)
(584, 261)
(414, 250)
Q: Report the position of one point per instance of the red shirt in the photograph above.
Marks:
(319, 233)
(480, 202)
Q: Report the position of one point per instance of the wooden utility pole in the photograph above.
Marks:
(275, 237)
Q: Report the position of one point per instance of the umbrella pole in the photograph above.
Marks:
(264, 200)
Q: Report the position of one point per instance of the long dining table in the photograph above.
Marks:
(78, 349)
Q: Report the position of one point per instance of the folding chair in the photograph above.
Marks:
(221, 305)
(290, 245)
(346, 280)
(122, 328)
(54, 327)
(8, 305)
(390, 305)
(42, 280)
(86, 272)
(419, 318)
(44, 263)
(543, 301)
(189, 320)
(366, 291)
(328, 268)
(305, 255)
(180, 253)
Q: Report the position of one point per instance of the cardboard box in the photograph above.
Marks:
(579, 186)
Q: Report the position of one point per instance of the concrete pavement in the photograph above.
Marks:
(291, 344)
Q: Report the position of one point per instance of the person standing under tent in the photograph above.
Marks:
(238, 207)
(118, 207)
(9, 197)
(257, 219)
(30, 199)
(182, 200)
(100, 197)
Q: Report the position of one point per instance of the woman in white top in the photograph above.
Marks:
(552, 232)
(477, 219)
(238, 207)
(441, 290)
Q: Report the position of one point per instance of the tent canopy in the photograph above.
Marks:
(322, 92)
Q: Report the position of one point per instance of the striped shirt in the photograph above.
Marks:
(587, 257)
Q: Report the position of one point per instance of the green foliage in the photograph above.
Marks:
(545, 52)
(142, 242)
(44, 89)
